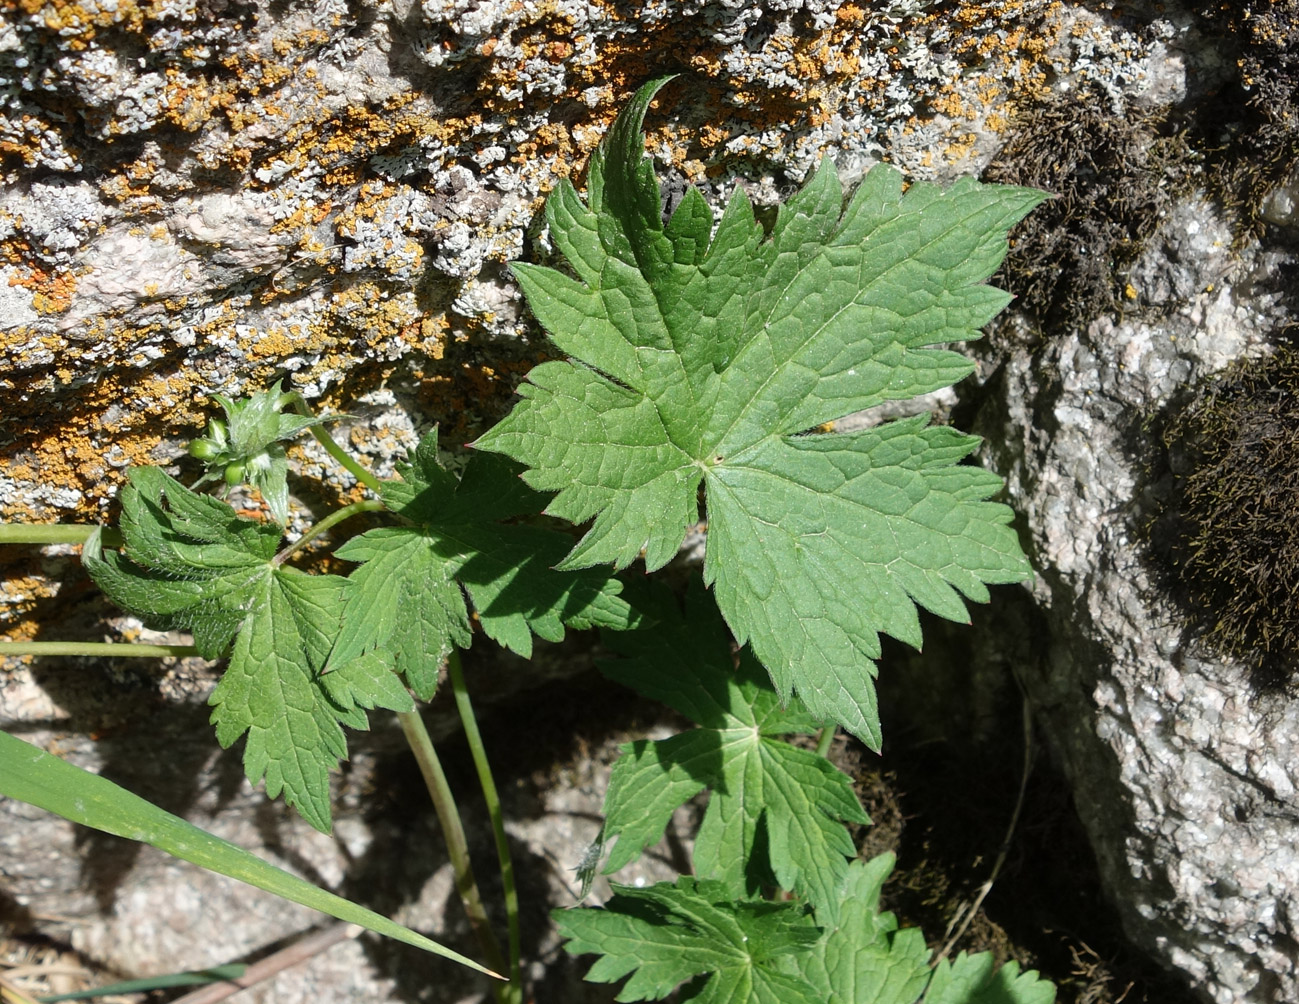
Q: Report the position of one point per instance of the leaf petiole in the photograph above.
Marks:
(332, 520)
(825, 739)
(412, 726)
(299, 404)
(115, 649)
(55, 533)
(512, 992)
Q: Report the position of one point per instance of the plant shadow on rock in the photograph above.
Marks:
(956, 755)
(940, 798)
(531, 740)
(150, 733)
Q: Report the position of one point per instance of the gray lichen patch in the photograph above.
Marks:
(206, 196)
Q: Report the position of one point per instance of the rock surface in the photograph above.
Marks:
(1183, 771)
(204, 196)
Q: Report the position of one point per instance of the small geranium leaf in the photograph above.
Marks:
(190, 562)
(775, 812)
(668, 934)
(976, 979)
(864, 957)
(405, 598)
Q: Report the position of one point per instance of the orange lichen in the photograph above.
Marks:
(77, 24)
(52, 289)
(361, 326)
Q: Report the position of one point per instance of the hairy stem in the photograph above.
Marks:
(299, 404)
(115, 649)
(333, 519)
(55, 533)
(457, 846)
(824, 740)
(511, 993)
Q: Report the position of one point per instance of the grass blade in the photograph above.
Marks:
(196, 977)
(31, 775)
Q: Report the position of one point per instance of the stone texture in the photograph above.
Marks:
(204, 196)
(1183, 772)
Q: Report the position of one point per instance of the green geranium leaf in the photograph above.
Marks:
(189, 562)
(976, 979)
(864, 957)
(702, 356)
(775, 812)
(405, 600)
(668, 934)
(751, 952)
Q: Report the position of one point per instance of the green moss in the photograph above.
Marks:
(1230, 532)
(1113, 178)
(1249, 129)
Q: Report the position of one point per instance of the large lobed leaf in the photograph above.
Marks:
(191, 563)
(702, 356)
(775, 812)
(403, 602)
(758, 953)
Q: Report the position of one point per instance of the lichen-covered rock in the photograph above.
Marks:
(206, 195)
(1183, 752)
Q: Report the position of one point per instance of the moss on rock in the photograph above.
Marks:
(1231, 528)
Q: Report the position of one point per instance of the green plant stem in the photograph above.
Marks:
(116, 649)
(299, 404)
(412, 725)
(54, 533)
(333, 519)
(824, 740)
(513, 992)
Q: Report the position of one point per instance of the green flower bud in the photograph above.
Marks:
(204, 449)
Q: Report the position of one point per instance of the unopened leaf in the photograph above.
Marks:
(248, 444)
